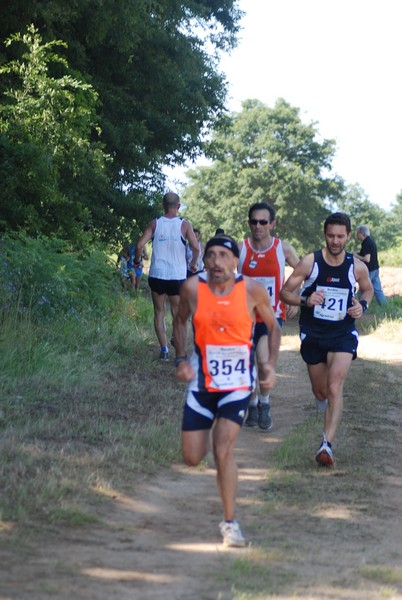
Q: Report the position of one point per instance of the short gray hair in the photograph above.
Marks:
(363, 229)
(171, 200)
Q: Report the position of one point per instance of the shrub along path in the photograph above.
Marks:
(314, 533)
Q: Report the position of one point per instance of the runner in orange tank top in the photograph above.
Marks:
(221, 335)
(263, 257)
(220, 373)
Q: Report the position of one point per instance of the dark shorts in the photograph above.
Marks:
(191, 274)
(202, 408)
(170, 287)
(261, 329)
(315, 350)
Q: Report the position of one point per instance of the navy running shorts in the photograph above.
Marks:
(202, 408)
(170, 287)
(314, 350)
(260, 329)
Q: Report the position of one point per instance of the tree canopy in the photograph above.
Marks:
(265, 154)
(152, 68)
(384, 226)
(46, 155)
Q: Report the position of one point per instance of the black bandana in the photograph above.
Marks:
(225, 242)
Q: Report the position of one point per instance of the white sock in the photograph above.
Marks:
(321, 404)
(263, 399)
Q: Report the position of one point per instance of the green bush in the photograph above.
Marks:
(44, 277)
(391, 257)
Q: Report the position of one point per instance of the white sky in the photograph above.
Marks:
(340, 63)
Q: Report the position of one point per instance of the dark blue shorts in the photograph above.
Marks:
(202, 408)
(314, 350)
(170, 287)
(261, 329)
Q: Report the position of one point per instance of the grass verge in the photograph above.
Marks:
(316, 526)
(81, 410)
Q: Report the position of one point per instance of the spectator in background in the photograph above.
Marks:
(126, 268)
(368, 255)
(138, 270)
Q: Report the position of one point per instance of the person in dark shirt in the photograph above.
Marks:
(368, 254)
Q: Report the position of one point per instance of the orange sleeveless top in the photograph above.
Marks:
(268, 267)
(223, 332)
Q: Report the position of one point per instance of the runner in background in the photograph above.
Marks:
(169, 234)
(264, 257)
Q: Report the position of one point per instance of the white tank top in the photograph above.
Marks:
(168, 260)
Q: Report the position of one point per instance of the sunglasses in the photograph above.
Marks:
(260, 221)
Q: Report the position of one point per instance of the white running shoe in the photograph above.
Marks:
(232, 535)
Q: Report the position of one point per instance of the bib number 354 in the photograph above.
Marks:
(228, 366)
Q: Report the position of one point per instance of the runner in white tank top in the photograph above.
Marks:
(168, 270)
(168, 259)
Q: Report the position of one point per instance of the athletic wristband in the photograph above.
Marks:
(364, 305)
(179, 359)
(303, 300)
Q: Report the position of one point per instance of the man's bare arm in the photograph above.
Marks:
(290, 255)
(144, 239)
(274, 331)
(363, 257)
(289, 294)
(363, 279)
(193, 242)
(261, 303)
(292, 260)
(188, 294)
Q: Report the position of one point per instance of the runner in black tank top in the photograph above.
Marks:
(328, 335)
(339, 283)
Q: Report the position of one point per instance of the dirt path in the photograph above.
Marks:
(163, 541)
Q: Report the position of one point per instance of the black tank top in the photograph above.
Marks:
(329, 319)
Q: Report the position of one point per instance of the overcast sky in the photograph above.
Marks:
(340, 63)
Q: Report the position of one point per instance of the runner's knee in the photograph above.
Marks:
(320, 392)
(192, 457)
(223, 450)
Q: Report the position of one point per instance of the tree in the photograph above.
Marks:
(396, 212)
(153, 64)
(355, 202)
(265, 154)
(46, 155)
